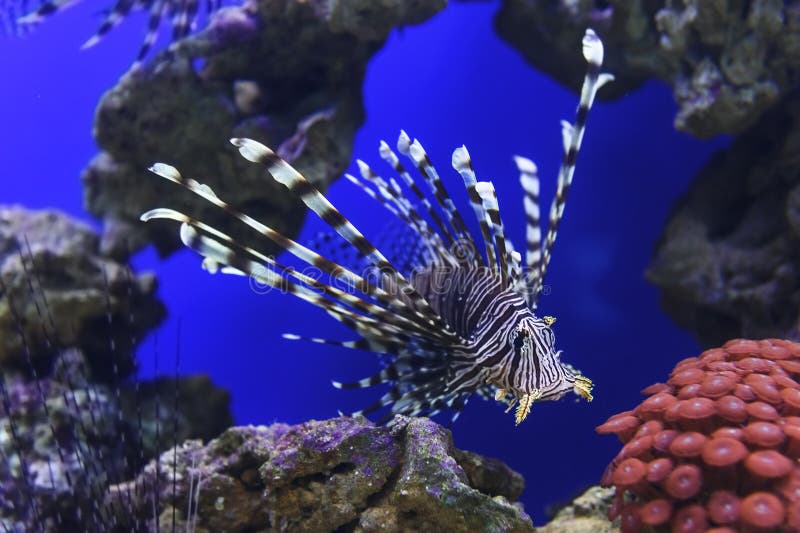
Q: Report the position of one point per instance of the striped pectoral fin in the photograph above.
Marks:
(285, 174)
(303, 253)
(217, 254)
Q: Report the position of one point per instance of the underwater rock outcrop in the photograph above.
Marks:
(717, 445)
(65, 438)
(58, 290)
(728, 262)
(287, 73)
(727, 61)
(72, 421)
(339, 473)
(588, 513)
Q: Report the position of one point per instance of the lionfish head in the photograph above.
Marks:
(540, 374)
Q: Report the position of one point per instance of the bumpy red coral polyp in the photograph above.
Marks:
(716, 447)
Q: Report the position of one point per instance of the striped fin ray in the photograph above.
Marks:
(463, 165)
(111, 21)
(573, 136)
(217, 254)
(390, 157)
(529, 179)
(391, 203)
(285, 174)
(386, 375)
(46, 9)
(183, 17)
(515, 270)
(391, 192)
(153, 22)
(301, 252)
(358, 344)
(417, 154)
(378, 198)
(485, 190)
(431, 243)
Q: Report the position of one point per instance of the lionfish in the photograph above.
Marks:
(462, 321)
(19, 15)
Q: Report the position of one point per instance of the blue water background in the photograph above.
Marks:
(449, 81)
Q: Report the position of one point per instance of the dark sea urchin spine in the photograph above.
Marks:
(458, 323)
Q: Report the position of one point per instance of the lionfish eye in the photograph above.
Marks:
(519, 340)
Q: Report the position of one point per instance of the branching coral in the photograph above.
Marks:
(717, 445)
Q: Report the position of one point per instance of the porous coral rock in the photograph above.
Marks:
(727, 263)
(64, 439)
(717, 445)
(287, 73)
(57, 290)
(588, 513)
(727, 60)
(339, 473)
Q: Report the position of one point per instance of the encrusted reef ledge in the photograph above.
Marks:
(287, 73)
(727, 61)
(342, 474)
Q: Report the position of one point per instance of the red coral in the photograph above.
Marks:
(716, 447)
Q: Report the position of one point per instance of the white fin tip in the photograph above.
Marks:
(460, 158)
(525, 165)
(165, 171)
(403, 142)
(252, 150)
(592, 47)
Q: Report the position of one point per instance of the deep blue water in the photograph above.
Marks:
(449, 81)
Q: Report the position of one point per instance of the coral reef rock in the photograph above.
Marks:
(717, 445)
(287, 73)
(64, 439)
(728, 262)
(341, 474)
(588, 513)
(57, 290)
(727, 61)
